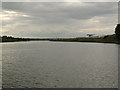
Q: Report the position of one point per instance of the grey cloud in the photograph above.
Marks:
(56, 10)
(62, 19)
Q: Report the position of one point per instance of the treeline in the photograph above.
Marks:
(13, 39)
(104, 39)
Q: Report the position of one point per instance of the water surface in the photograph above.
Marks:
(59, 64)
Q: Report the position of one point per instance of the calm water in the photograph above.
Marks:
(60, 64)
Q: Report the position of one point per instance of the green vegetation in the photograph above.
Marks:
(104, 39)
(12, 39)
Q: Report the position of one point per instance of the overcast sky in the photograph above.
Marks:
(58, 19)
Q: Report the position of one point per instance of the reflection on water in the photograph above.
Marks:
(60, 64)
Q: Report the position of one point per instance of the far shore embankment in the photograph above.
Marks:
(105, 39)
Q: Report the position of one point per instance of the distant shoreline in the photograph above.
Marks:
(88, 42)
(13, 39)
(106, 39)
(65, 41)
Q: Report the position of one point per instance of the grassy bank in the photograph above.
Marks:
(104, 39)
(12, 39)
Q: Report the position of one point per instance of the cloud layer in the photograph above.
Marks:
(63, 19)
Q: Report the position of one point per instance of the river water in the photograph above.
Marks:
(38, 64)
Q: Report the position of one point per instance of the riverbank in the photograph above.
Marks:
(13, 39)
(104, 39)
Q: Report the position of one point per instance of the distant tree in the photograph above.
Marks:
(105, 36)
(4, 36)
(117, 32)
(90, 35)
